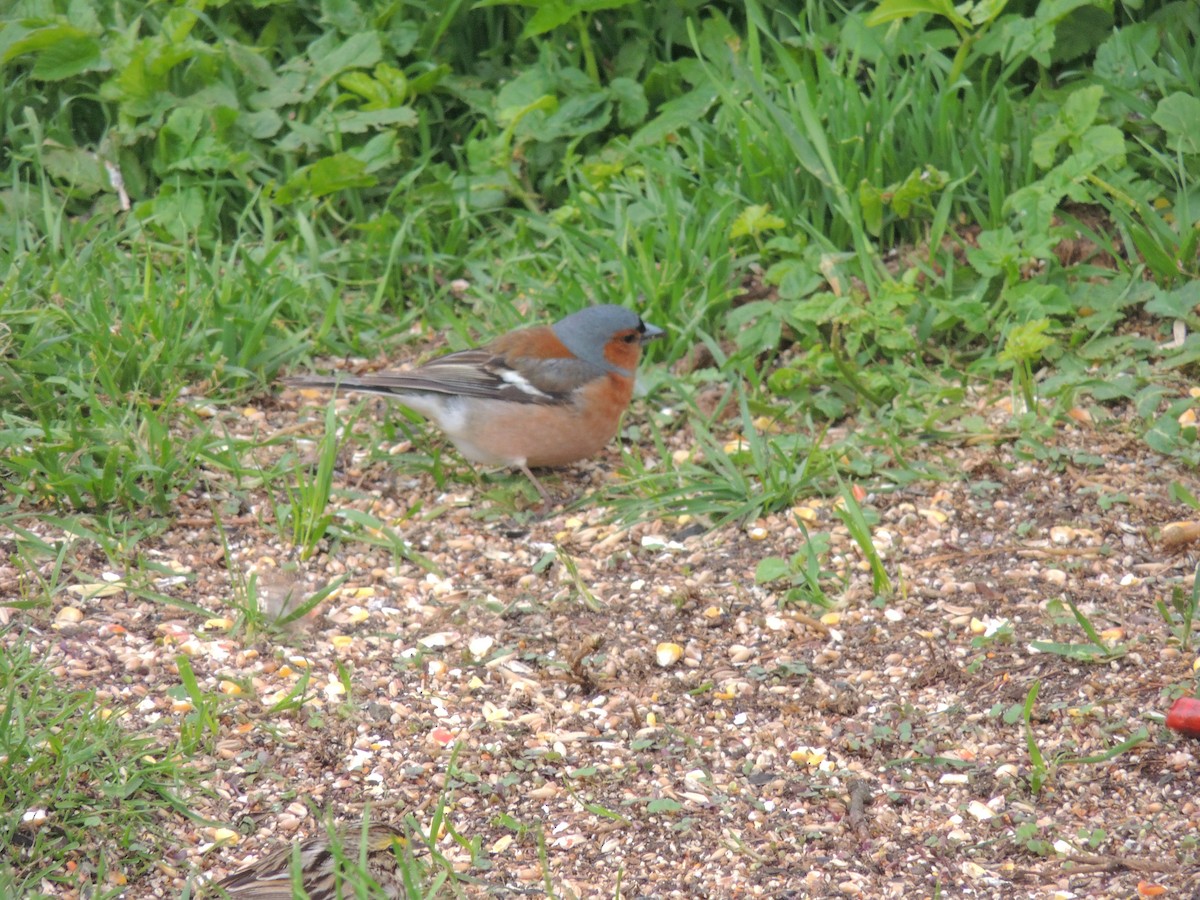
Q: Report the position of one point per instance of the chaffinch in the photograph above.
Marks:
(548, 395)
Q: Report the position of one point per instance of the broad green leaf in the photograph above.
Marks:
(754, 220)
(1016, 38)
(365, 86)
(1035, 205)
(1179, 116)
(84, 14)
(1126, 61)
(920, 185)
(1180, 303)
(521, 93)
(548, 17)
(334, 173)
(165, 56)
(870, 200)
(260, 125)
(385, 87)
(771, 569)
(663, 805)
(374, 119)
(402, 36)
(889, 10)
(601, 5)
(1080, 109)
(380, 152)
(427, 81)
(1104, 146)
(180, 132)
(1080, 32)
(1046, 143)
(81, 169)
(362, 51)
(393, 79)
(1056, 10)
(984, 11)
(179, 212)
(177, 24)
(345, 15)
(998, 253)
(782, 382)
(252, 65)
(1035, 300)
(553, 13)
(577, 115)
(825, 307)
(68, 58)
(40, 40)
(1026, 342)
(675, 115)
(795, 278)
(631, 101)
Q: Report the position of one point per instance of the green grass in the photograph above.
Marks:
(856, 214)
(71, 764)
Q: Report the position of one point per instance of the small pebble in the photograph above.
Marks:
(980, 811)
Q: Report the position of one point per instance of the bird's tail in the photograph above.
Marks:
(335, 382)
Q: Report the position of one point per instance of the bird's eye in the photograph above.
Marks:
(630, 338)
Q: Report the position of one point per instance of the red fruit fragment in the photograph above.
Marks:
(441, 736)
(1184, 716)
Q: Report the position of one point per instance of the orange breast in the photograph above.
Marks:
(511, 434)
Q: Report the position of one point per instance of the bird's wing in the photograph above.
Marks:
(278, 887)
(268, 879)
(478, 373)
(555, 376)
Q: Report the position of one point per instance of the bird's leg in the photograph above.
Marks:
(537, 484)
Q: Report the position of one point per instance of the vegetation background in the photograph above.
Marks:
(856, 221)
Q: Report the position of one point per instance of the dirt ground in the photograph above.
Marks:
(623, 712)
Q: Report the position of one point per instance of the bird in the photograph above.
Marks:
(540, 396)
(326, 866)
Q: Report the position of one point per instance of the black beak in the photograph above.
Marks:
(649, 332)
